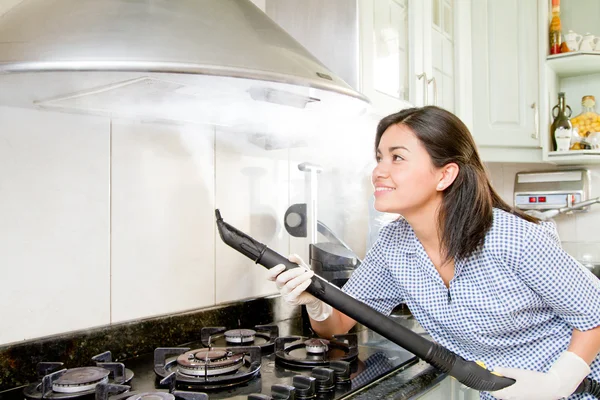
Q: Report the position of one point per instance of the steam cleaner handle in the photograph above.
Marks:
(467, 372)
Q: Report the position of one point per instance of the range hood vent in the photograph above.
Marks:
(221, 62)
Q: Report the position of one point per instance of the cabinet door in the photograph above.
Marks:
(505, 72)
(391, 49)
(441, 81)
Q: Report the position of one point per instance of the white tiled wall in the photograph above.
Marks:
(108, 221)
(252, 195)
(54, 216)
(162, 238)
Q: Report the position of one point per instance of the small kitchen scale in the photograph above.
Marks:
(547, 190)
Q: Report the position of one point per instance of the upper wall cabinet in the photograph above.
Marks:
(391, 48)
(407, 50)
(505, 73)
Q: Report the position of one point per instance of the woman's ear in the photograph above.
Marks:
(449, 174)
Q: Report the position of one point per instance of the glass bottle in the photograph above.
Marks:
(561, 128)
(555, 28)
(586, 122)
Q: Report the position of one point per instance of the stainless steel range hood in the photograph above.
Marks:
(221, 62)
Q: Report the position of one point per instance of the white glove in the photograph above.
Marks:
(560, 381)
(292, 285)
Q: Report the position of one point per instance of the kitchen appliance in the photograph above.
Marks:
(334, 260)
(218, 62)
(546, 190)
(470, 373)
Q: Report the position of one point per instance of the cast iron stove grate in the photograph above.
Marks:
(58, 384)
(302, 352)
(208, 368)
(107, 391)
(262, 336)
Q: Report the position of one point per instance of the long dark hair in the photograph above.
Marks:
(466, 212)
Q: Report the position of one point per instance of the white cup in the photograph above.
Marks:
(573, 40)
(588, 43)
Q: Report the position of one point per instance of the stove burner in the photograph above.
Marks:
(316, 346)
(213, 368)
(121, 392)
(301, 352)
(76, 380)
(240, 335)
(262, 335)
(61, 384)
(209, 362)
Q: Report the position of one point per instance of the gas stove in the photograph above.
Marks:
(253, 363)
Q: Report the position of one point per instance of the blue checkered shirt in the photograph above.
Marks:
(514, 303)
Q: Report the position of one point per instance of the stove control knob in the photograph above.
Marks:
(305, 387)
(325, 379)
(341, 371)
(283, 392)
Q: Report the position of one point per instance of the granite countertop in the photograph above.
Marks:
(127, 340)
(402, 385)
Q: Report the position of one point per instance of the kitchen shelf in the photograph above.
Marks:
(575, 157)
(575, 63)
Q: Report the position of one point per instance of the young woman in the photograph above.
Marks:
(486, 281)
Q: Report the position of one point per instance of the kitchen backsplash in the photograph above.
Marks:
(110, 221)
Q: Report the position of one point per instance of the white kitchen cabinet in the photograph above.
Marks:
(408, 51)
(391, 53)
(505, 72)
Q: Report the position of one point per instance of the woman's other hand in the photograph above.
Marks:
(292, 285)
(559, 382)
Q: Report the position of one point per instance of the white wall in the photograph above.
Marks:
(108, 221)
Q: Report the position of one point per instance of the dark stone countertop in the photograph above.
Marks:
(126, 340)
(402, 385)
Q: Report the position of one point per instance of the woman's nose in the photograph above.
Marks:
(380, 170)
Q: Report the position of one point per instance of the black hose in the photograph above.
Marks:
(469, 373)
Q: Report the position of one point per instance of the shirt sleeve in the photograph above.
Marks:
(569, 288)
(372, 282)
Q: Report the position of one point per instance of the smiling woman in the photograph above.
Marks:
(486, 281)
(429, 155)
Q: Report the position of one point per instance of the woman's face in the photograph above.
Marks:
(405, 179)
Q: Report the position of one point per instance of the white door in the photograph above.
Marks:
(391, 41)
(505, 73)
(442, 55)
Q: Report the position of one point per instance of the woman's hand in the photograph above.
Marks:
(292, 285)
(559, 382)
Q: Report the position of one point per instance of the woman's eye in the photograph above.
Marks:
(396, 157)
(378, 158)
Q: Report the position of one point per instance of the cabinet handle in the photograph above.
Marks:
(536, 121)
(432, 80)
(425, 87)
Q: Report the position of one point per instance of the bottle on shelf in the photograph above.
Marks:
(555, 28)
(586, 122)
(561, 129)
